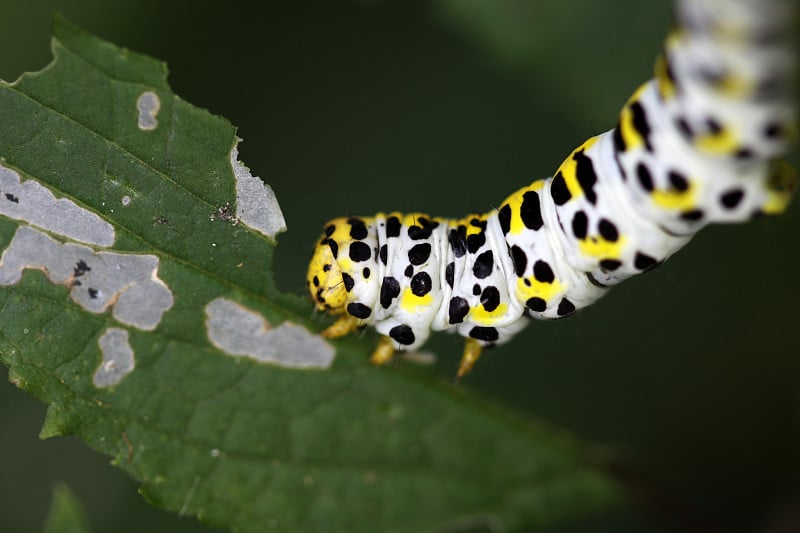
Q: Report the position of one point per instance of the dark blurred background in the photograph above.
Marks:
(351, 107)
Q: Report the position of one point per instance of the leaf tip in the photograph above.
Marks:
(56, 423)
(62, 26)
(107, 56)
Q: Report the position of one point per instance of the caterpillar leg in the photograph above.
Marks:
(383, 352)
(472, 351)
(343, 325)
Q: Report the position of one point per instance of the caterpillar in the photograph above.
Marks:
(698, 144)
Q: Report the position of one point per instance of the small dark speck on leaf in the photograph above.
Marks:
(81, 268)
(92, 293)
(11, 198)
(224, 213)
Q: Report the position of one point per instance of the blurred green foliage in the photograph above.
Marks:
(66, 513)
(446, 107)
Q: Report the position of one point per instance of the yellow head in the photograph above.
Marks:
(324, 279)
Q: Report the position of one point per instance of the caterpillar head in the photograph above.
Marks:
(324, 279)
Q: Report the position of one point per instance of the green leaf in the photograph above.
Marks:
(137, 300)
(66, 514)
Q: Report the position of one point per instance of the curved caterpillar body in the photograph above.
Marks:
(695, 145)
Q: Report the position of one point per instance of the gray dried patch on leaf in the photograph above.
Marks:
(97, 280)
(239, 331)
(148, 105)
(118, 360)
(31, 202)
(256, 204)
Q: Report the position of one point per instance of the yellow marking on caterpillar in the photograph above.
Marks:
(345, 264)
(723, 142)
(782, 182)
(537, 289)
(675, 199)
(482, 317)
(599, 248)
(410, 302)
(514, 201)
(569, 168)
(666, 87)
(732, 33)
(776, 203)
(329, 284)
(411, 219)
(341, 233)
(734, 87)
(627, 130)
(470, 228)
